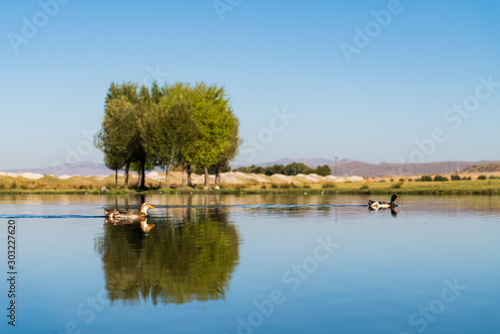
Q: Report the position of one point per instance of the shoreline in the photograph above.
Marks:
(475, 187)
(242, 183)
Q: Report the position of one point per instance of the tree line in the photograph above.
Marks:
(175, 125)
(293, 168)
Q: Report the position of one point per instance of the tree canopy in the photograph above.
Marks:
(293, 168)
(178, 124)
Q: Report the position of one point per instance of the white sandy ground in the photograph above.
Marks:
(32, 176)
(227, 178)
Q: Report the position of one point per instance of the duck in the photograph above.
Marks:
(127, 214)
(383, 205)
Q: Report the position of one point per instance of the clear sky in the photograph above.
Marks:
(365, 80)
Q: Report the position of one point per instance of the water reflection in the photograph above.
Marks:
(394, 213)
(143, 223)
(178, 261)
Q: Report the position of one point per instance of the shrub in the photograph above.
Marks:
(328, 185)
(482, 177)
(426, 178)
(397, 185)
(455, 177)
(110, 185)
(295, 168)
(263, 186)
(440, 178)
(274, 186)
(323, 170)
(401, 180)
(493, 177)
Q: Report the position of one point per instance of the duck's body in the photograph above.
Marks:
(383, 205)
(127, 214)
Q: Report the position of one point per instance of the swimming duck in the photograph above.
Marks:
(127, 214)
(383, 205)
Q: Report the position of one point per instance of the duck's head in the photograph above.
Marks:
(146, 206)
(394, 197)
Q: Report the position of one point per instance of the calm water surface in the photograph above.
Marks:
(254, 264)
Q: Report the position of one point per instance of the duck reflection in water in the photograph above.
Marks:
(394, 213)
(145, 227)
(179, 259)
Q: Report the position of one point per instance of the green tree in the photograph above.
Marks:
(169, 129)
(124, 120)
(323, 170)
(114, 162)
(113, 138)
(275, 169)
(174, 125)
(179, 99)
(143, 155)
(216, 123)
(295, 168)
(231, 149)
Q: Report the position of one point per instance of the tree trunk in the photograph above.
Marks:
(127, 167)
(217, 175)
(184, 168)
(138, 179)
(188, 171)
(167, 172)
(116, 177)
(206, 176)
(143, 174)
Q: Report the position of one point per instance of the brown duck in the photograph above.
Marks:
(127, 214)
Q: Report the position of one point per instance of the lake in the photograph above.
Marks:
(253, 264)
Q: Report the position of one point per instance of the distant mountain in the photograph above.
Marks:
(483, 168)
(83, 168)
(359, 168)
(349, 167)
(345, 167)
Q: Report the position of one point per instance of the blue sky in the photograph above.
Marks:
(386, 102)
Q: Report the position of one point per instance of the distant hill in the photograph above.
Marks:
(359, 168)
(345, 167)
(83, 168)
(483, 168)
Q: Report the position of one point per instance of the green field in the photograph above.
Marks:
(93, 185)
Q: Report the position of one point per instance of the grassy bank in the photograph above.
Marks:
(94, 184)
(475, 187)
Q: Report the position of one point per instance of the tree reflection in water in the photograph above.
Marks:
(176, 262)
